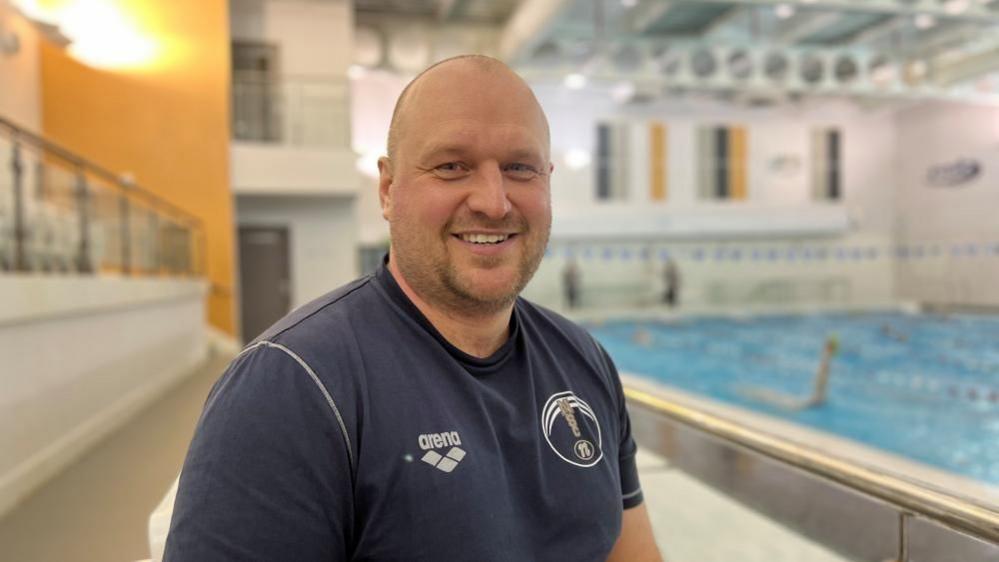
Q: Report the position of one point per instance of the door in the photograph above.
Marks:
(265, 278)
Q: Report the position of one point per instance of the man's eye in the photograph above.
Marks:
(450, 170)
(520, 171)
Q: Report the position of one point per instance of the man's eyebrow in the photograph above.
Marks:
(437, 150)
(454, 150)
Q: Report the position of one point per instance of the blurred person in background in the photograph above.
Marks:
(427, 412)
(570, 283)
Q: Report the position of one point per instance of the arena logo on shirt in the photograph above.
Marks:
(571, 429)
(449, 460)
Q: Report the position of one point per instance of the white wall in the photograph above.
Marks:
(323, 239)
(314, 38)
(778, 215)
(81, 356)
(938, 134)
(20, 78)
(261, 170)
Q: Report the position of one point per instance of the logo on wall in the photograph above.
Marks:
(954, 174)
(571, 429)
(785, 165)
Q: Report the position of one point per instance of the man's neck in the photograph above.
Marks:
(477, 334)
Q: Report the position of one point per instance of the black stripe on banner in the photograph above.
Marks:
(833, 146)
(721, 163)
(603, 162)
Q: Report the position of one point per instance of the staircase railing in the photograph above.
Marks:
(60, 212)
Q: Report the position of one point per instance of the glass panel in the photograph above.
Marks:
(54, 218)
(106, 226)
(293, 111)
(6, 206)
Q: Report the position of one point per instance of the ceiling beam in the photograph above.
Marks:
(446, 9)
(804, 24)
(721, 25)
(647, 14)
(976, 65)
(974, 12)
(880, 31)
(528, 27)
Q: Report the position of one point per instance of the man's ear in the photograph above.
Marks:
(384, 185)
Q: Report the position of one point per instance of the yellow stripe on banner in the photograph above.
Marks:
(737, 163)
(657, 147)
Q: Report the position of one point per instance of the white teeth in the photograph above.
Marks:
(484, 238)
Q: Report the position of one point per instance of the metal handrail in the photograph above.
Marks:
(976, 519)
(81, 163)
(127, 192)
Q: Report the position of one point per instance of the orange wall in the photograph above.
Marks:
(167, 123)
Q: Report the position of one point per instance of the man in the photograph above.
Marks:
(426, 412)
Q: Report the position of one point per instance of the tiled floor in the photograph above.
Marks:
(97, 510)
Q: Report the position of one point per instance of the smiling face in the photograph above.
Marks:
(467, 192)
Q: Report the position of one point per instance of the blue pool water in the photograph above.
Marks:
(921, 386)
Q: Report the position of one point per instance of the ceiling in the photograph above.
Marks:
(476, 11)
(854, 48)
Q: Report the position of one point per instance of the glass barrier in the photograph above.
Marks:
(60, 214)
(296, 111)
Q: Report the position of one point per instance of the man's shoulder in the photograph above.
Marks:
(323, 316)
(549, 323)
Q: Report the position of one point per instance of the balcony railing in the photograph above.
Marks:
(292, 111)
(60, 212)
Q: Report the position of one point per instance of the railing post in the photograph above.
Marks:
(126, 242)
(154, 239)
(83, 264)
(20, 229)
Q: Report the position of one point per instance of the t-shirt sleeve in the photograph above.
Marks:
(631, 488)
(268, 473)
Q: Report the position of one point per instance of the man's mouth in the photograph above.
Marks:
(484, 238)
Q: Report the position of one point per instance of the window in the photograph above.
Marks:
(612, 161)
(256, 103)
(827, 146)
(722, 166)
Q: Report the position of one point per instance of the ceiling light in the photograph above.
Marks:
(356, 72)
(577, 158)
(629, 3)
(784, 11)
(925, 21)
(575, 81)
(623, 92)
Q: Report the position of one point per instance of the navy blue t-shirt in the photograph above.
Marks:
(352, 430)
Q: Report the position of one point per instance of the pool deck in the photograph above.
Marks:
(694, 523)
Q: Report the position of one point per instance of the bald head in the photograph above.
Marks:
(459, 75)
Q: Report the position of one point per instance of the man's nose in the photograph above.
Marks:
(488, 195)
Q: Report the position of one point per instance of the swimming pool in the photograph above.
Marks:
(921, 386)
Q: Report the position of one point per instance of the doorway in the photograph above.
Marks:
(265, 278)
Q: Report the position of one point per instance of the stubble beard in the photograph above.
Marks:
(438, 280)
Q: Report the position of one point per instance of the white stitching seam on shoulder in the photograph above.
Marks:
(632, 494)
(322, 388)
